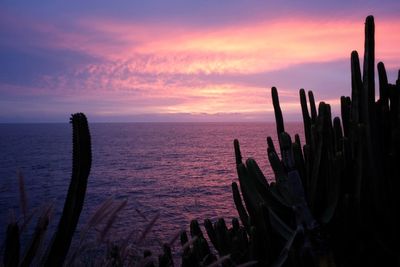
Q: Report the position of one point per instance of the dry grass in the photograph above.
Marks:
(100, 224)
(36, 243)
(111, 250)
(23, 201)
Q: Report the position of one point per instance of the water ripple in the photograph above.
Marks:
(184, 171)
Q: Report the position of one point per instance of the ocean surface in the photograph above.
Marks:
(182, 171)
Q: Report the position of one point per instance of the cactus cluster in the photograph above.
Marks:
(334, 199)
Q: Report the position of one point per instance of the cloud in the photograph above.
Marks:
(113, 67)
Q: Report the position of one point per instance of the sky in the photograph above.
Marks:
(176, 60)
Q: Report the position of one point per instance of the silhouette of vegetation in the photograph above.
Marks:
(59, 246)
(333, 202)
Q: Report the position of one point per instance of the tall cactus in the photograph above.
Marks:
(81, 163)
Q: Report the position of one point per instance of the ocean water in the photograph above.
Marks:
(182, 171)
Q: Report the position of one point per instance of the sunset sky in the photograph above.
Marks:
(202, 60)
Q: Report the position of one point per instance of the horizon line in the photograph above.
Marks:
(144, 122)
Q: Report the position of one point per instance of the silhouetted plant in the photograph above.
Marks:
(60, 244)
(334, 201)
(81, 163)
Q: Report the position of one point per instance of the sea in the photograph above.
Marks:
(170, 172)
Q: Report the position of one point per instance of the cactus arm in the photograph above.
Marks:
(383, 84)
(312, 106)
(306, 116)
(280, 128)
(244, 217)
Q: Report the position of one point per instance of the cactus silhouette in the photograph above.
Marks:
(81, 163)
(334, 200)
(61, 241)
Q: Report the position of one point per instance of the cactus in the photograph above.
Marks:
(81, 163)
(59, 246)
(306, 116)
(334, 201)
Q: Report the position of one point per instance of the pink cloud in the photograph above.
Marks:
(157, 68)
(251, 48)
(261, 46)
